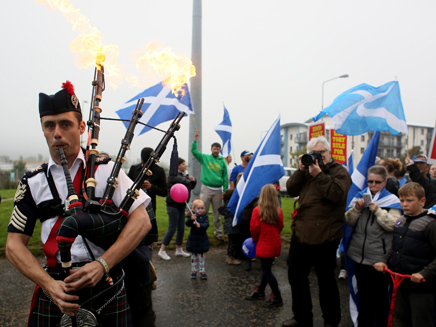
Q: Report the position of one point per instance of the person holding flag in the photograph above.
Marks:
(419, 172)
(214, 180)
(322, 185)
(373, 214)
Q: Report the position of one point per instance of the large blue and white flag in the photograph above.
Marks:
(360, 174)
(160, 105)
(367, 108)
(224, 130)
(359, 178)
(265, 167)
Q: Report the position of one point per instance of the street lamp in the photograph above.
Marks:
(331, 79)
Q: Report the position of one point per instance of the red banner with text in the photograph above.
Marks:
(338, 143)
(316, 130)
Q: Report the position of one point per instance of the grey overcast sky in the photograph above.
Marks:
(261, 58)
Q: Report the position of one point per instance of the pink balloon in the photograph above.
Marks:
(179, 193)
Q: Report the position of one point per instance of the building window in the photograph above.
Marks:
(422, 142)
(362, 150)
(362, 138)
(290, 137)
(422, 131)
(290, 149)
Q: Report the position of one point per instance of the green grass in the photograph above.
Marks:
(35, 244)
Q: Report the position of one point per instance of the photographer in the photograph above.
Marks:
(322, 186)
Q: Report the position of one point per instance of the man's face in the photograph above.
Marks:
(216, 151)
(246, 159)
(62, 129)
(423, 166)
(326, 157)
(433, 171)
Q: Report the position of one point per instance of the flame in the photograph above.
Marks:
(174, 70)
(90, 50)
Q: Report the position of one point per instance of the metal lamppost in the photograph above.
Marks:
(331, 79)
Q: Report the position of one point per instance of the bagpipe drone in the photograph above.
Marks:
(100, 221)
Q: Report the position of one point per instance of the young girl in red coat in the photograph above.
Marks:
(265, 226)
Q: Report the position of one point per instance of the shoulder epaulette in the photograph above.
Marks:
(36, 171)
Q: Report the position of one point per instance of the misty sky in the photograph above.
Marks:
(260, 58)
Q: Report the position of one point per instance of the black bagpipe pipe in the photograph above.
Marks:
(103, 228)
(133, 191)
(98, 86)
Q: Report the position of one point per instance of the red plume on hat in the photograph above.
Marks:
(67, 86)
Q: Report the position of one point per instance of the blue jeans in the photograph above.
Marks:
(176, 218)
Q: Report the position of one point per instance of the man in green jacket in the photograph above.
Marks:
(214, 180)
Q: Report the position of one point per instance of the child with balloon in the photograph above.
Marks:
(265, 226)
(198, 241)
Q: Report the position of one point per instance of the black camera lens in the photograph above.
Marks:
(311, 158)
(307, 160)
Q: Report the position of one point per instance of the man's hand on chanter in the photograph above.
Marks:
(87, 276)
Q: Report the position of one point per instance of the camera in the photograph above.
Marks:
(311, 157)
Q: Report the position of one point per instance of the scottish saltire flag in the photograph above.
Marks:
(360, 174)
(224, 130)
(350, 166)
(367, 108)
(384, 199)
(160, 105)
(265, 167)
(359, 178)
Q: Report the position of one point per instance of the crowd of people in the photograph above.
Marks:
(393, 227)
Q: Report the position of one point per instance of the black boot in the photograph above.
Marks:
(256, 294)
(273, 301)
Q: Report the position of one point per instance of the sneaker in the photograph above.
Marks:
(193, 275)
(342, 274)
(273, 301)
(256, 295)
(203, 275)
(163, 255)
(181, 253)
(219, 238)
(233, 261)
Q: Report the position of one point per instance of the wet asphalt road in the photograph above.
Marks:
(181, 301)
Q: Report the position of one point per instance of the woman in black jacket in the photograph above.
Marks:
(176, 212)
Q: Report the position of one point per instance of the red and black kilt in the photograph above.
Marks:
(116, 314)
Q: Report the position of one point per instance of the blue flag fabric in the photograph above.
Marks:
(367, 108)
(160, 105)
(359, 178)
(265, 167)
(351, 163)
(224, 130)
